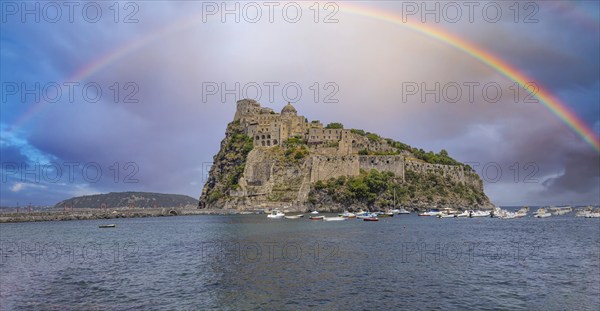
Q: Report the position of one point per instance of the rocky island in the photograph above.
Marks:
(283, 160)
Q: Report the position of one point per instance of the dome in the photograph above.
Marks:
(289, 110)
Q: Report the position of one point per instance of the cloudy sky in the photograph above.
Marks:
(98, 97)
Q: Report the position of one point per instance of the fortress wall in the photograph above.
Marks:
(394, 164)
(325, 167)
(456, 173)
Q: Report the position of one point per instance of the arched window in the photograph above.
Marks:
(263, 137)
(257, 137)
(269, 136)
(274, 141)
(263, 143)
(268, 143)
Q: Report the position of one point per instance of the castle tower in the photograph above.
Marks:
(289, 111)
(246, 107)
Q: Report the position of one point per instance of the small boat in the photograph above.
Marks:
(561, 210)
(443, 215)
(276, 214)
(108, 226)
(433, 212)
(316, 217)
(463, 214)
(371, 219)
(480, 214)
(367, 215)
(293, 216)
(347, 214)
(334, 218)
(541, 213)
(592, 215)
(314, 213)
(396, 210)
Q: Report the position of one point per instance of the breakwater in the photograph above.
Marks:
(102, 213)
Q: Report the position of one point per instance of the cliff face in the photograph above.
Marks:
(358, 171)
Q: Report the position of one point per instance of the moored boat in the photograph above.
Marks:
(541, 213)
(366, 215)
(480, 214)
(108, 226)
(316, 217)
(588, 212)
(561, 210)
(293, 216)
(371, 219)
(463, 214)
(275, 214)
(334, 218)
(432, 212)
(347, 214)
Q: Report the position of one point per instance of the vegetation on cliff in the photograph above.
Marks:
(399, 148)
(228, 164)
(374, 190)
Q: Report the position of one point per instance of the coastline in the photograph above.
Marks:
(96, 213)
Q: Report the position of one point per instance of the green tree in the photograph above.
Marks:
(334, 125)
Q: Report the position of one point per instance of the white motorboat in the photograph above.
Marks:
(561, 210)
(588, 212)
(541, 213)
(275, 214)
(293, 216)
(314, 213)
(347, 214)
(463, 214)
(433, 212)
(508, 216)
(334, 218)
(444, 215)
(593, 215)
(366, 215)
(480, 214)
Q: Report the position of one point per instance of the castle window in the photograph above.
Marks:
(268, 143)
(269, 136)
(263, 143)
(263, 137)
(257, 137)
(274, 141)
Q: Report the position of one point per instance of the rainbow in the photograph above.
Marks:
(552, 103)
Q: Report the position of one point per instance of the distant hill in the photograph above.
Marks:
(126, 199)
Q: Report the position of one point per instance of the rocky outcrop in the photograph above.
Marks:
(314, 171)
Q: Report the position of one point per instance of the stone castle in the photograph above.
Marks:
(268, 128)
(266, 180)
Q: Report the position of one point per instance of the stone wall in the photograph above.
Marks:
(325, 167)
(394, 164)
(455, 172)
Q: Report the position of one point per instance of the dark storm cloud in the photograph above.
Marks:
(581, 174)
